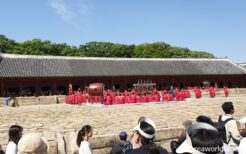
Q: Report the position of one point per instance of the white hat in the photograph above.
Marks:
(150, 122)
(33, 143)
(186, 146)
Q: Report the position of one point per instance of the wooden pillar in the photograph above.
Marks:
(5, 88)
(111, 83)
(37, 87)
(20, 87)
(122, 85)
(2, 88)
(243, 81)
(54, 91)
(125, 82)
(83, 83)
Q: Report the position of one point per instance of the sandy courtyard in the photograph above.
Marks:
(111, 119)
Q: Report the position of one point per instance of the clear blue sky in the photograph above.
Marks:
(215, 26)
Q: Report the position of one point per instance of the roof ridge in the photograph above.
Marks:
(243, 69)
(108, 58)
(241, 64)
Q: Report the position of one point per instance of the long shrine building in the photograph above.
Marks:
(44, 75)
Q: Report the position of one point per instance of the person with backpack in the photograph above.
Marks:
(120, 148)
(230, 133)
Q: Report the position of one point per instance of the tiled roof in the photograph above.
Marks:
(57, 66)
(243, 65)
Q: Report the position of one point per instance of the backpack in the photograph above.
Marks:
(220, 126)
(126, 148)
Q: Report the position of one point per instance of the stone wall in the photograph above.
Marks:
(22, 101)
(66, 143)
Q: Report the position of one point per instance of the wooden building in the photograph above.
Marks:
(46, 75)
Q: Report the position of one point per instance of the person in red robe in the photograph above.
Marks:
(226, 91)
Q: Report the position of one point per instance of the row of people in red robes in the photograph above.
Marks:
(109, 97)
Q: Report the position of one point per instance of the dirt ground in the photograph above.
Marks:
(64, 118)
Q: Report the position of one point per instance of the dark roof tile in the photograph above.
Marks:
(56, 66)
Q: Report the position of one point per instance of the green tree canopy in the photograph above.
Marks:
(6, 44)
(99, 49)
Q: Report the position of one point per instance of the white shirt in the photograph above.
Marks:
(227, 149)
(231, 129)
(11, 148)
(85, 148)
(242, 146)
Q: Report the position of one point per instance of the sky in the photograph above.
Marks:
(215, 26)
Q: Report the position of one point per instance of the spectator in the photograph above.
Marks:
(118, 148)
(233, 136)
(50, 92)
(146, 130)
(15, 134)
(82, 140)
(201, 138)
(33, 144)
(205, 119)
(175, 144)
(6, 102)
(135, 140)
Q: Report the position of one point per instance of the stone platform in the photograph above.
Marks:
(59, 122)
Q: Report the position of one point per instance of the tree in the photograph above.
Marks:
(154, 50)
(99, 49)
(6, 44)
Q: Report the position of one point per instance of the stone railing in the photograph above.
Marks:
(66, 143)
(22, 101)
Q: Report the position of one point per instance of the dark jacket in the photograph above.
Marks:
(145, 150)
(2, 152)
(117, 149)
